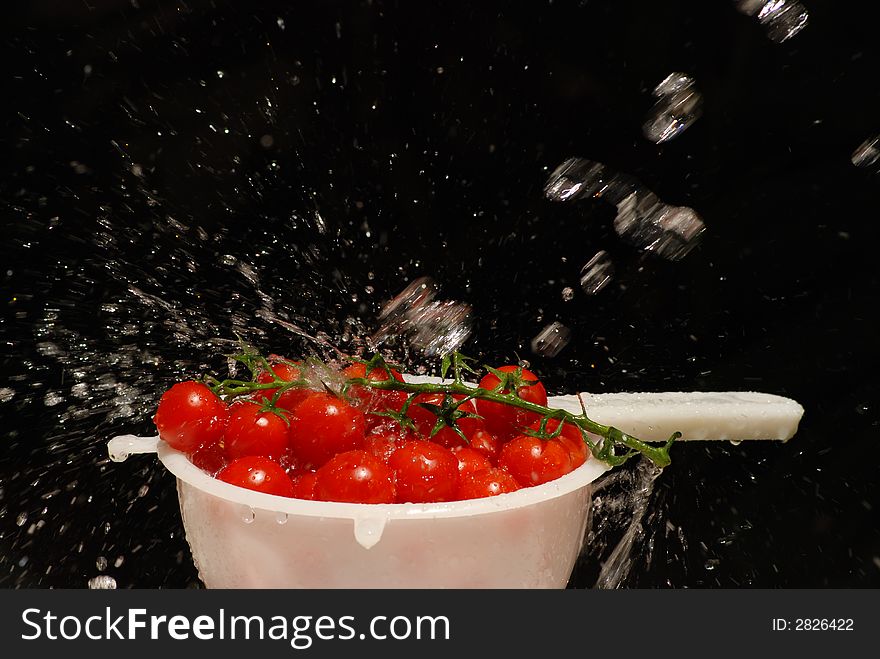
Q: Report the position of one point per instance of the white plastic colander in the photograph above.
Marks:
(530, 538)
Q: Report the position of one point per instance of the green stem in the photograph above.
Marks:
(604, 450)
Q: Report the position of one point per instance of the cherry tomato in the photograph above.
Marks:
(375, 399)
(479, 440)
(570, 437)
(505, 421)
(190, 416)
(252, 432)
(354, 477)
(486, 483)
(424, 472)
(383, 444)
(290, 398)
(324, 425)
(532, 461)
(304, 485)
(256, 472)
(210, 458)
(470, 461)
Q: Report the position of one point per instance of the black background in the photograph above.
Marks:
(427, 156)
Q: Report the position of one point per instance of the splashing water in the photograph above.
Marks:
(867, 155)
(781, 19)
(678, 107)
(642, 218)
(550, 341)
(621, 500)
(597, 273)
(432, 327)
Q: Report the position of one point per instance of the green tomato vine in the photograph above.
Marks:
(613, 446)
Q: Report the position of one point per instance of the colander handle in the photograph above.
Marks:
(119, 448)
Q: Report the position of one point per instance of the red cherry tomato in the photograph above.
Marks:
(252, 432)
(211, 458)
(532, 461)
(190, 416)
(480, 440)
(375, 399)
(505, 421)
(324, 425)
(354, 477)
(486, 483)
(424, 472)
(290, 398)
(304, 485)
(470, 461)
(258, 473)
(570, 437)
(383, 444)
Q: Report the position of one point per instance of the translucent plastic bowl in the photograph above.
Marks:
(245, 539)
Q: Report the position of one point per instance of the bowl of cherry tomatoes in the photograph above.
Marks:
(327, 494)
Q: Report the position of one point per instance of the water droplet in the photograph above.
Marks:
(6, 394)
(597, 272)
(281, 518)
(577, 178)
(567, 294)
(782, 19)
(248, 515)
(868, 153)
(220, 73)
(550, 341)
(678, 106)
(735, 442)
(21, 519)
(101, 563)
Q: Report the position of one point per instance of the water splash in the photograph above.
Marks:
(432, 327)
(642, 218)
(621, 500)
(781, 19)
(867, 155)
(550, 341)
(597, 273)
(678, 107)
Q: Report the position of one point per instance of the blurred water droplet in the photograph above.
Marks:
(577, 178)
(642, 218)
(567, 294)
(6, 394)
(648, 223)
(551, 340)
(868, 153)
(101, 563)
(782, 19)
(102, 582)
(678, 106)
(52, 398)
(712, 563)
(440, 327)
(597, 272)
(21, 519)
(434, 327)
